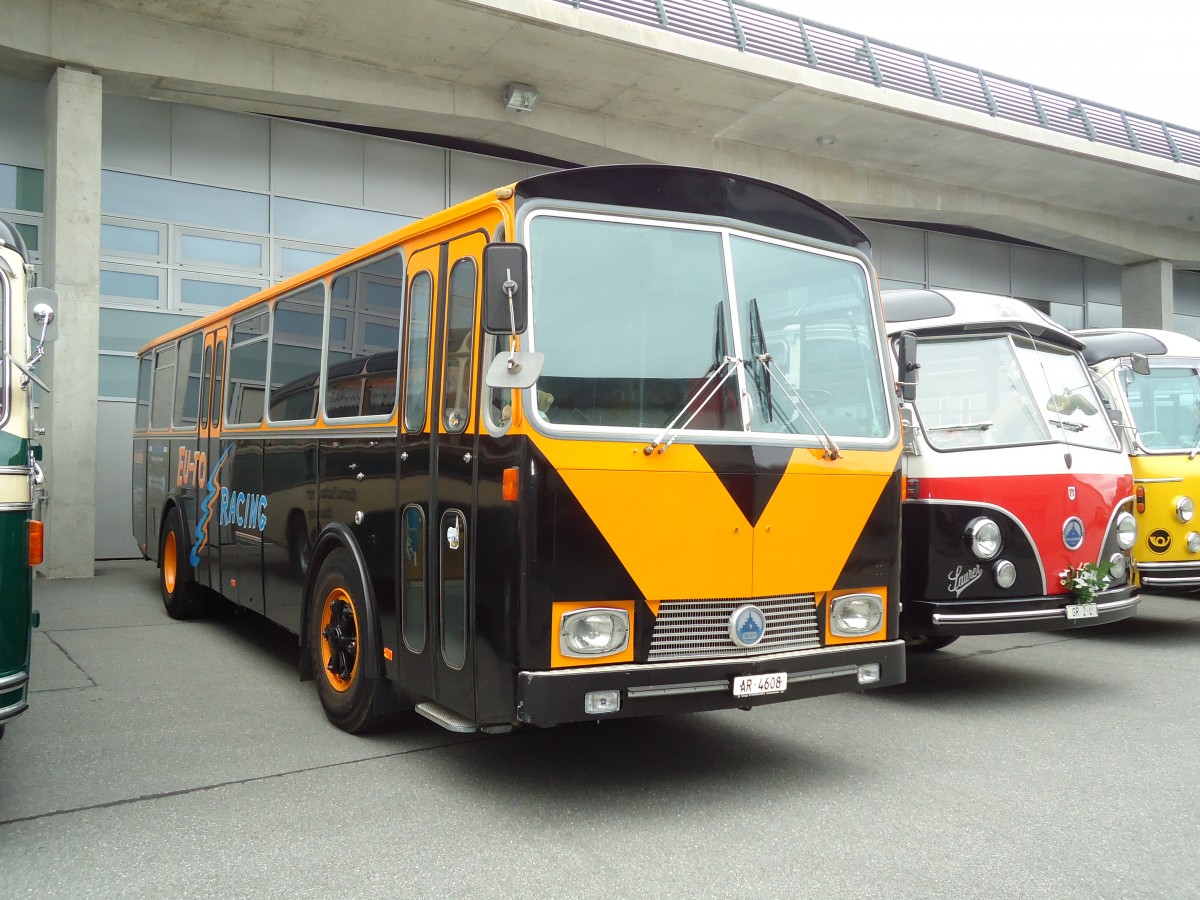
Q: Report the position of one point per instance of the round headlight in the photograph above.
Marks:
(1184, 508)
(1193, 542)
(1126, 530)
(594, 632)
(856, 614)
(1005, 574)
(983, 537)
(1117, 567)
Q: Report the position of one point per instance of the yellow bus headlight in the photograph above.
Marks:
(594, 632)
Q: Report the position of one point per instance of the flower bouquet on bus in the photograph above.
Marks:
(1085, 581)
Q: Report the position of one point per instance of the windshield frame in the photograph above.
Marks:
(725, 229)
(1054, 437)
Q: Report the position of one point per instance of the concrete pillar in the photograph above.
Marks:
(1148, 295)
(71, 265)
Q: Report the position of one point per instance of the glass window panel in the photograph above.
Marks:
(187, 382)
(31, 234)
(127, 239)
(142, 418)
(1103, 315)
(294, 260)
(205, 387)
(22, 188)
(1165, 405)
(329, 224)
(164, 388)
(454, 588)
(363, 382)
(194, 248)
(214, 293)
(416, 357)
(134, 287)
(130, 330)
(177, 201)
(218, 385)
(248, 369)
(119, 378)
(412, 611)
(295, 359)
(459, 366)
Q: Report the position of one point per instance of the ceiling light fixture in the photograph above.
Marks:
(826, 139)
(521, 97)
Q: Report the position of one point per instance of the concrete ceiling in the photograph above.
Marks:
(607, 85)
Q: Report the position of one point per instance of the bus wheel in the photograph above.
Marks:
(928, 642)
(338, 645)
(180, 594)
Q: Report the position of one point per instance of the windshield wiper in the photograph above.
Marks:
(832, 451)
(758, 350)
(962, 426)
(695, 402)
(1070, 426)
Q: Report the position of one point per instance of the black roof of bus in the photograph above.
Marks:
(697, 192)
(1101, 345)
(10, 237)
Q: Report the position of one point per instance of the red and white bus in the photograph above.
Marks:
(1017, 512)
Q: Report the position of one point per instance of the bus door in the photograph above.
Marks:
(205, 523)
(436, 490)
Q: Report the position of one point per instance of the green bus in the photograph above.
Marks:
(25, 311)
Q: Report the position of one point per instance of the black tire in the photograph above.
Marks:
(929, 642)
(181, 596)
(339, 644)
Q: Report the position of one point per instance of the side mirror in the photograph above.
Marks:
(906, 348)
(43, 314)
(504, 294)
(1140, 363)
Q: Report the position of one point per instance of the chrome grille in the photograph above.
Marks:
(690, 629)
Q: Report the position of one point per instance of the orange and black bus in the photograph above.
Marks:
(606, 442)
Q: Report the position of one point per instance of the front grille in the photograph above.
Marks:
(691, 629)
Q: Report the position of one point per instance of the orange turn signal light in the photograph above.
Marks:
(37, 542)
(1140, 494)
(510, 482)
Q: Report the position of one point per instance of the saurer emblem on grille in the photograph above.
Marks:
(747, 625)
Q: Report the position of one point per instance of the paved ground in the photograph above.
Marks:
(165, 759)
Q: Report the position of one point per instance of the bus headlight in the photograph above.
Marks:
(856, 614)
(983, 537)
(594, 632)
(1005, 574)
(1117, 567)
(1184, 508)
(1126, 530)
(1193, 542)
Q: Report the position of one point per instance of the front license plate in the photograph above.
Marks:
(757, 685)
(1082, 611)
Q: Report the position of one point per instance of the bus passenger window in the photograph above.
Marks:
(412, 548)
(164, 388)
(416, 360)
(363, 347)
(248, 368)
(142, 419)
(296, 355)
(460, 344)
(187, 382)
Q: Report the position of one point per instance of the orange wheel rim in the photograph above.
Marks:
(339, 639)
(170, 564)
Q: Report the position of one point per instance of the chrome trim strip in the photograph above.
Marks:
(1157, 480)
(627, 668)
(8, 682)
(17, 506)
(25, 471)
(11, 712)
(1170, 566)
(1166, 581)
(1027, 615)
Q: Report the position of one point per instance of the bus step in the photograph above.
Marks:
(448, 719)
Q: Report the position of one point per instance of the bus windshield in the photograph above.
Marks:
(996, 390)
(1166, 405)
(644, 324)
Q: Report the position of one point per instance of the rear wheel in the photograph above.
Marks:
(340, 645)
(181, 596)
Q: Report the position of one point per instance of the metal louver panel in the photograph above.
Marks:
(691, 629)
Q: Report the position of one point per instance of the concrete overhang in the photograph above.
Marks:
(614, 91)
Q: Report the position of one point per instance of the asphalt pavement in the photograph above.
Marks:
(169, 759)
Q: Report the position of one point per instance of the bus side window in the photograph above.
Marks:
(218, 395)
(460, 345)
(142, 420)
(296, 354)
(248, 368)
(187, 382)
(164, 387)
(416, 359)
(205, 387)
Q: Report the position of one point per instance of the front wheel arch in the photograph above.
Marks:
(334, 537)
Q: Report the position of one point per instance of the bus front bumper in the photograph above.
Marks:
(1012, 616)
(1184, 576)
(556, 696)
(12, 695)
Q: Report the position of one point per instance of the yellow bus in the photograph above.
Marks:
(26, 323)
(1150, 381)
(607, 442)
